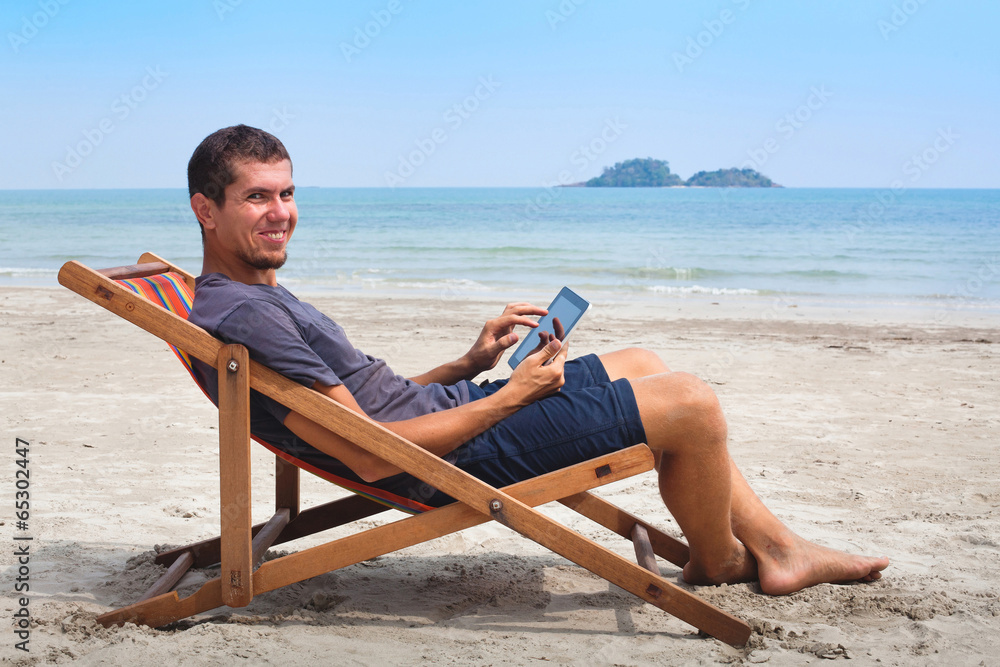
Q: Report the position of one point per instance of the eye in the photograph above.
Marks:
(287, 194)
(255, 195)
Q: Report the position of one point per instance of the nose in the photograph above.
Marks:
(278, 210)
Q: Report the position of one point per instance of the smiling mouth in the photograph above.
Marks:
(274, 236)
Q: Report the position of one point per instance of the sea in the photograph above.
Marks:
(877, 247)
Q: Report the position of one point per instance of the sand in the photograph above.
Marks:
(867, 429)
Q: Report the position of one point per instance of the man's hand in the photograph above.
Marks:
(558, 333)
(498, 335)
(540, 374)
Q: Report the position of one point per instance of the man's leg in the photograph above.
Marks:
(684, 423)
(786, 562)
(710, 499)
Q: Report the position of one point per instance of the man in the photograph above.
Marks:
(547, 416)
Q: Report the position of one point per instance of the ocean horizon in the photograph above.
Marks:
(833, 244)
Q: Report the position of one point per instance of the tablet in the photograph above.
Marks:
(568, 307)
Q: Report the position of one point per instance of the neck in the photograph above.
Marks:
(237, 270)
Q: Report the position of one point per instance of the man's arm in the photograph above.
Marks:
(437, 432)
(497, 335)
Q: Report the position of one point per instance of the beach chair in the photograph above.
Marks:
(157, 296)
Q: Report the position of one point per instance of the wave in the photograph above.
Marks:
(698, 289)
(499, 251)
(700, 273)
(817, 273)
(26, 271)
(361, 279)
(648, 273)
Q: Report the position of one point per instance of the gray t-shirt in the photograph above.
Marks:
(298, 341)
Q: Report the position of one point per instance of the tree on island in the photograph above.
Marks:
(731, 178)
(636, 173)
(650, 173)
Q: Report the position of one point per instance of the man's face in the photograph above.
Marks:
(259, 214)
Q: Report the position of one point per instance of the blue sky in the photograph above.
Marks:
(857, 93)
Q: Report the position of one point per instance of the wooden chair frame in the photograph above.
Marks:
(241, 545)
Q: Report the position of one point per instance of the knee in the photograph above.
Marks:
(692, 403)
(691, 393)
(645, 362)
(633, 363)
(680, 413)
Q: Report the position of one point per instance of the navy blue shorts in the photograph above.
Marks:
(590, 416)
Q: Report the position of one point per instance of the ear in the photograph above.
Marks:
(204, 209)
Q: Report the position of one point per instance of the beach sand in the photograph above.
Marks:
(864, 429)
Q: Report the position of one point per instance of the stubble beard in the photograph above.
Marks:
(262, 262)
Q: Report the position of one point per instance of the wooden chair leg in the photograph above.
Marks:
(233, 365)
(286, 487)
(313, 520)
(268, 534)
(643, 550)
(618, 520)
(170, 578)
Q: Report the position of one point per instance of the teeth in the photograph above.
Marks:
(275, 235)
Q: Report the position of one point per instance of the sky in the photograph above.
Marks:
(412, 93)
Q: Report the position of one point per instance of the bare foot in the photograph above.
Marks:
(799, 564)
(739, 568)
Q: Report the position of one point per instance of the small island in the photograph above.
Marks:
(731, 178)
(650, 173)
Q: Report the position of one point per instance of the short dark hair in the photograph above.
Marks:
(211, 168)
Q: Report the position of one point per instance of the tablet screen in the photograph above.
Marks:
(568, 307)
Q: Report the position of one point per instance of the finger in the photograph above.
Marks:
(514, 306)
(542, 342)
(543, 339)
(507, 341)
(510, 321)
(553, 348)
(524, 308)
(544, 351)
(557, 326)
(554, 354)
(559, 357)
